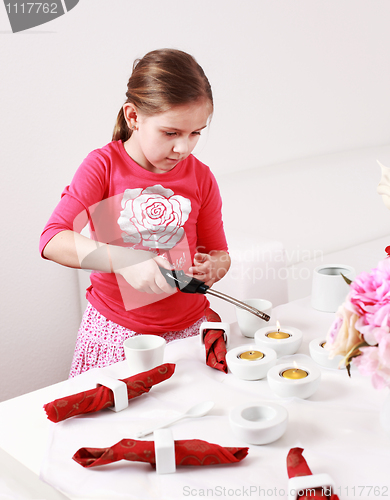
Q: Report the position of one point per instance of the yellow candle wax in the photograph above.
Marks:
(251, 355)
(294, 373)
(278, 335)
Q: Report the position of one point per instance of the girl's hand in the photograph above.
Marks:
(146, 276)
(211, 267)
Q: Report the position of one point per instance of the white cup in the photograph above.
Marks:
(144, 352)
(329, 288)
(248, 323)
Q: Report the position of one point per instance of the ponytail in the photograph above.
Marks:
(121, 131)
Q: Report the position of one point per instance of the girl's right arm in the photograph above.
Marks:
(138, 267)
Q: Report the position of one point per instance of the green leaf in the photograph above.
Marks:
(353, 353)
(347, 280)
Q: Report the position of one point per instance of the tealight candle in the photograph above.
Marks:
(321, 355)
(294, 373)
(284, 342)
(251, 355)
(289, 381)
(278, 335)
(248, 363)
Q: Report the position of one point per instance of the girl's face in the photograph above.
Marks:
(160, 142)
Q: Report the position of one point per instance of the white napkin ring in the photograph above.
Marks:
(215, 325)
(164, 450)
(298, 485)
(119, 389)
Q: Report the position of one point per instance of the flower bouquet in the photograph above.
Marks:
(361, 329)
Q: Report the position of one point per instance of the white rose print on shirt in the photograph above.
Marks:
(153, 217)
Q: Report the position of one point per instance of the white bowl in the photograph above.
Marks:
(283, 347)
(321, 355)
(254, 369)
(248, 322)
(144, 352)
(301, 388)
(258, 423)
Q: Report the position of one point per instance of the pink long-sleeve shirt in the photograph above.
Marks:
(173, 214)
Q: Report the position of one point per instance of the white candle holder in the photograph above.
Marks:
(258, 423)
(299, 388)
(282, 347)
(248, 367)
(321, 355)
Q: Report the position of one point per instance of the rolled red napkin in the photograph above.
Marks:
(187, 452)
(102, 397)
(215, 344)
(297, 466)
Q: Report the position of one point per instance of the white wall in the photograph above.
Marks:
(292, 79)
(324, 209)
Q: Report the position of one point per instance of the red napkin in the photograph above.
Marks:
(187, 452)
(215, 344)
(102, 397)
(297, 466)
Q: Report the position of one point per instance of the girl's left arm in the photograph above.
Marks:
(210, 267)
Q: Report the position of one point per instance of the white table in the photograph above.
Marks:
(338, 427)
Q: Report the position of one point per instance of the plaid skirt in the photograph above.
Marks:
(100, 341)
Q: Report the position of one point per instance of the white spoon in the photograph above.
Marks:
(198, 410)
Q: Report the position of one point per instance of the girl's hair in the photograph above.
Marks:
(162, 79)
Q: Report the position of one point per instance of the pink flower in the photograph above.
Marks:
(343, 335)
(369, 298)
(363, 319)
(375, 362)
(334, 330)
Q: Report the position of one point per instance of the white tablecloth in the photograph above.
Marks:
(338, 427)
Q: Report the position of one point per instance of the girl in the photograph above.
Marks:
(149, 203)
